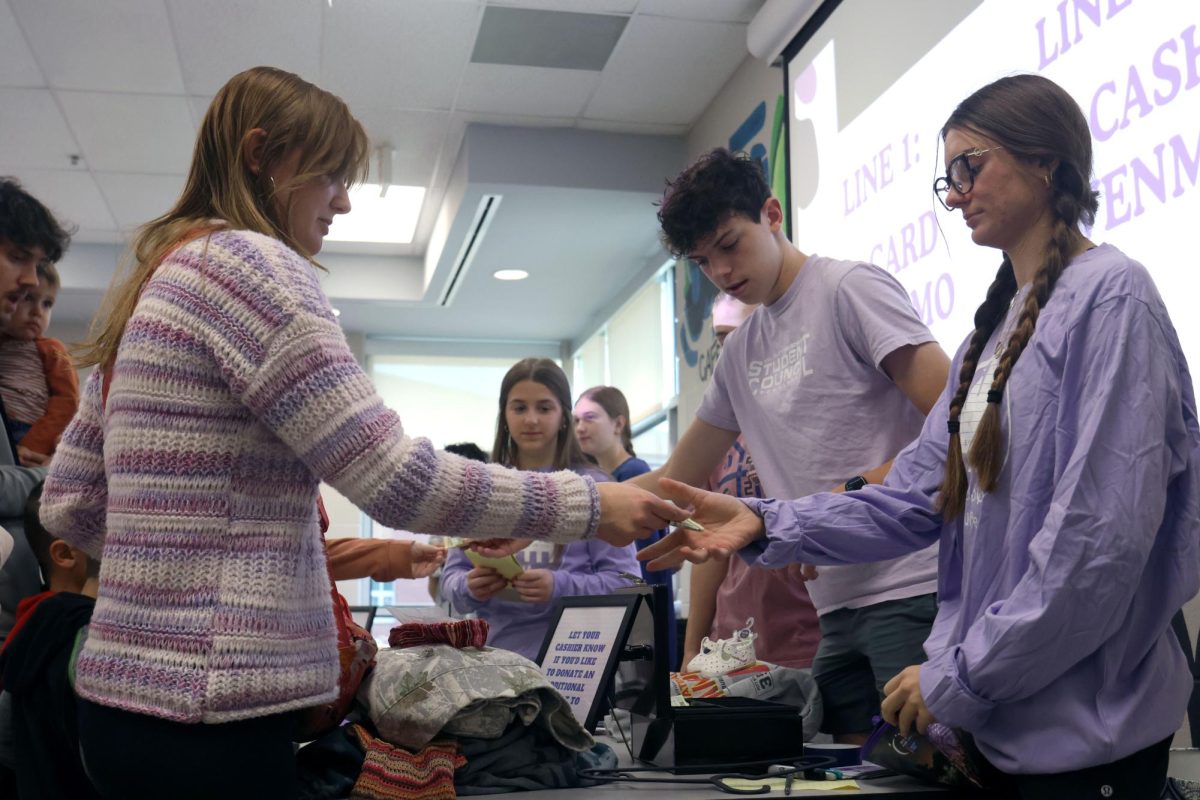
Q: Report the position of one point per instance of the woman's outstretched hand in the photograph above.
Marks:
(728, 527)
(628, 513)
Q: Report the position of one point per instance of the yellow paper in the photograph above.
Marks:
(507, 566)
(776, 784)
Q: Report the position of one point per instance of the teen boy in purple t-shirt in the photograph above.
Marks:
(826, 383)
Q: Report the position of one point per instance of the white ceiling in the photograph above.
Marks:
(100, 100)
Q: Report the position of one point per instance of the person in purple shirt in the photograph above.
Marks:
(826, 381)
(1058, 470)
(534, 432)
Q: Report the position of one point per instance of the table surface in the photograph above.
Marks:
(896, 787)
(1185, 763)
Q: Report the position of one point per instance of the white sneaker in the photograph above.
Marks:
(726, 655)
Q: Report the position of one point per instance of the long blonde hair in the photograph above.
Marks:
(222, 191)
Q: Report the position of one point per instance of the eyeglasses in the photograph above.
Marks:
(960, 174)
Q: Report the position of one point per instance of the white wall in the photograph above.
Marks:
(753, 83)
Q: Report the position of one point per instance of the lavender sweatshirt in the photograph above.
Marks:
(589, 567)
(1052, 642)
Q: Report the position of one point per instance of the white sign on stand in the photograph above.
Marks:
(582, 649)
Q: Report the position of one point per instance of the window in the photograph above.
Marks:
(635, 351)
(446, 399)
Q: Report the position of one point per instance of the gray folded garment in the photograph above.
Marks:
(415, 693)
(525, 759)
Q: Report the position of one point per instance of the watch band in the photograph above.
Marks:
(857, 482)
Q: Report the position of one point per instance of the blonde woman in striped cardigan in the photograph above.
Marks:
(225, 392)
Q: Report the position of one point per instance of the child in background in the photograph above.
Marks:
(37, 380)
(725, 593)
(602, 427)
(534, 432)
(35, 666)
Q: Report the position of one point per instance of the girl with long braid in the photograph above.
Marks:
(1059, 470)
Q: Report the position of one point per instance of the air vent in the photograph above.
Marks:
(526, 37)
(466, 254)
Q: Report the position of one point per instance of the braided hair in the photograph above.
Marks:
(1036, 121)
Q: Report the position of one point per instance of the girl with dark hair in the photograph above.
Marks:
(602, 427)
(1059, 470)
(533, 432)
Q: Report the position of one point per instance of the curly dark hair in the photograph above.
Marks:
(718, 185)
(26, 222)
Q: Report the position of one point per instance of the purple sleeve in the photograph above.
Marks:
(593, 568)
(1123, 402)
(75, 498)
(876, 315)
(875, 523)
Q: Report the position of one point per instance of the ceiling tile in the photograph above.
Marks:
(116, 45)
(531, 37)
(71, 195)
(518, 120)
(416, 136)
(33, 132)
(132, 132)
(219, 38)
(17, 65)
(714, 10)
(403, 53)
(648, 128)
(137, 199)
(502, 89)
(689, 60)
(581, 6)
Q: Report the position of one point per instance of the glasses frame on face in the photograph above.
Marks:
(960, 174)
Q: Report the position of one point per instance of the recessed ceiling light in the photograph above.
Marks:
(391, 219)
(510, 274)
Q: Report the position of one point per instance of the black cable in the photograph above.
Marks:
(797, 765)
(720, 779)
(612, 705)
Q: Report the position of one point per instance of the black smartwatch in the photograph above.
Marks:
(857, 482)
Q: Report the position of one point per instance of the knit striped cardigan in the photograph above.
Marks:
(233, 394)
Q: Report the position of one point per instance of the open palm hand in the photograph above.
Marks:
(728, 527)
